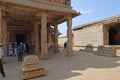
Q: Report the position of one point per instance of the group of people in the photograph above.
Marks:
(18, 50)
(28, 47)
(14, 49)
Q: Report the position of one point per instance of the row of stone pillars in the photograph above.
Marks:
(43, 51)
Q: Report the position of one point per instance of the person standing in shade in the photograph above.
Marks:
(15, 48)
(11, 53)
(48, 46)
(65, 46)
(20, 52)
(1, 64)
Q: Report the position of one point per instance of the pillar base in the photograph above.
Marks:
(44, 56)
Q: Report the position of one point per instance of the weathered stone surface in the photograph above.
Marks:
(97, 33)
(31, 19)
(107, 51)
(31, 67)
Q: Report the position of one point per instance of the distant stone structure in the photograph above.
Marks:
(35, 21)
(98, 33)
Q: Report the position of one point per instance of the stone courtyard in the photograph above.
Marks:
(82, 66)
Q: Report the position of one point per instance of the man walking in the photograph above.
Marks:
(65, 46)
(1, 64)
(20, 52)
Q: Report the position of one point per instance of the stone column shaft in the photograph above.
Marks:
(0, 26)
(4, 36)
(69, 36)
(56, 47)
(44, 51)
(49, 36)
(36, 28)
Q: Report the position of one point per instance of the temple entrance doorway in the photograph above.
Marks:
(112, 32)
(20, 38)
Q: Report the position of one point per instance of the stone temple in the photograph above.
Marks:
(35, 21)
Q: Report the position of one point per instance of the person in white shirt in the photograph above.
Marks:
(1, 64)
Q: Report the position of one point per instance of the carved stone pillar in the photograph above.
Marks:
(3, 33)
(44, 51)
(56, 48)
(49, 35)
(69, 36)
(4, 36)
(0, 26)
(37, 49)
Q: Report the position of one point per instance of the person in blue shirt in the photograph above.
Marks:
(1, 64)
(20, 52)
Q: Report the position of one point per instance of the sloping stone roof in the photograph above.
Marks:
(109, 20)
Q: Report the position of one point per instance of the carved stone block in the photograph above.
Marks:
(31, 67)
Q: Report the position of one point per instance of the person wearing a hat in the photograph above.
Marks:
(1, 64)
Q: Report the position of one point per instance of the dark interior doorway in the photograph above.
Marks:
(112, 32)
(20, 38)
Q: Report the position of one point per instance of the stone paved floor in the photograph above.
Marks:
(82, 66)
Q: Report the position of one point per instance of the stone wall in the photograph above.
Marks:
(61, 40)
(89, 35)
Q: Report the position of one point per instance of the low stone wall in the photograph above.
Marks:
(86, 48)
(110, 51)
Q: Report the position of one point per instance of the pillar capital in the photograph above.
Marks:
(69, 16)
(39, 14)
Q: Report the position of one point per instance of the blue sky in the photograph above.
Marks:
(92, 10)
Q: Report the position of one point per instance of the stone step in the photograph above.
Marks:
(103, 54)
(105, 48)
(106, 51)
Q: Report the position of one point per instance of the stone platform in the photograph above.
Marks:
(31, 67)
(110, 50)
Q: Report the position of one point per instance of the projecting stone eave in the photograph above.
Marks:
(74, 14)
(113, 19)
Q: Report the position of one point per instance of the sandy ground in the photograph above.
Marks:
(82, 66)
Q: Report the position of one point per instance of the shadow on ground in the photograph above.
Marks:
(61, 67)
